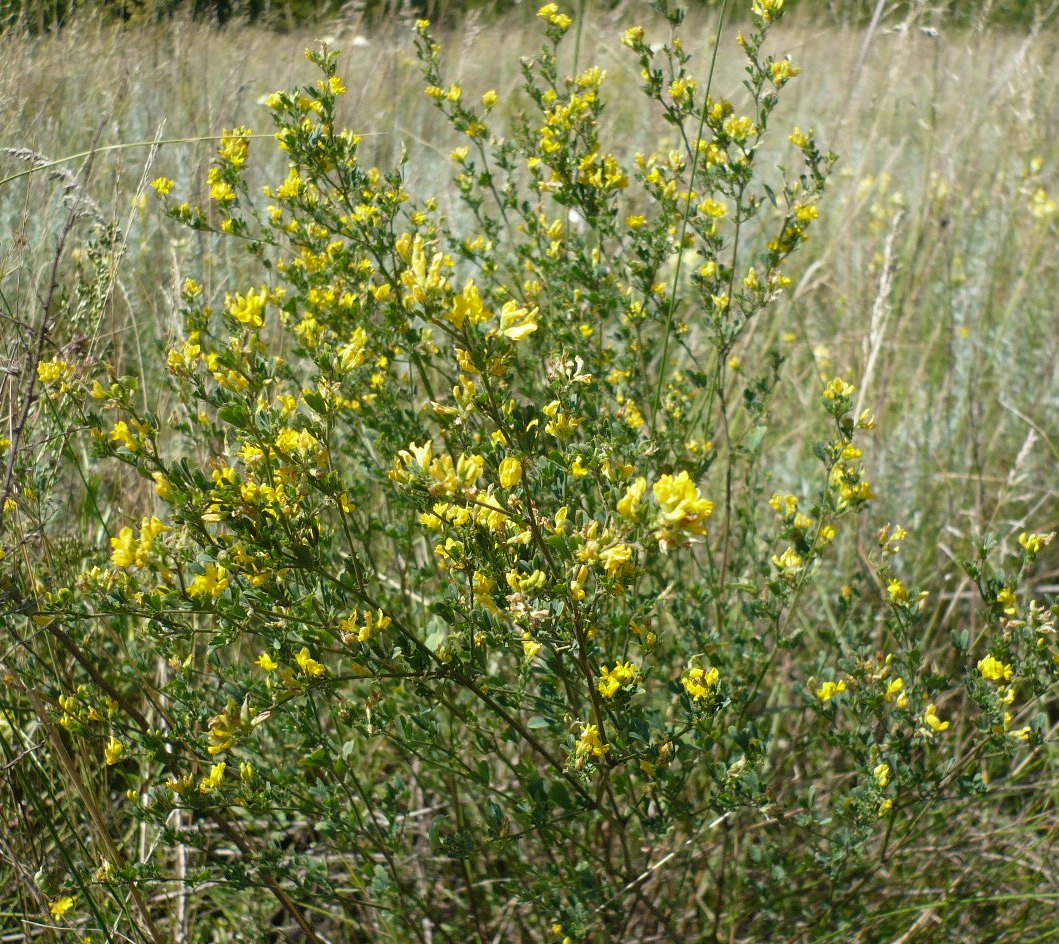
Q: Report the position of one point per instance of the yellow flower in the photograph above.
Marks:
(489, 99)
(931, 718)
(766, 9)
(1034, 543)
(214, 779)
(739, 128)
(49, 372)
(829, 690)
(308, 664)
(616, 559)
(713, 208)
(212, 582)
(222, 191)
(882, 774)
(235, 145)
(292, 186)
(681, 89)
(700, 683)
(510, 472)
(629, 504)
(267, 662)
(247, 309)
(788, 563)
(680, 504)
(1042, 206)
(782, 72)
(113, 752)
(60, 906)
(590, 743)
(162, 185)
(123, 552)
(611, 681)
(897, 591)
(633, 36)
(550, 12)
(838, 388)
(181, 784)
(784, 505)
(122, 434)
(517, 323)
(127, 551)
(530, 646)
(994, 669)
(1007, 599)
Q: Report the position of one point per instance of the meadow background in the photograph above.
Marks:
(930, 279)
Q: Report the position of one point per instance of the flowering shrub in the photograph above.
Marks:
(466, 605)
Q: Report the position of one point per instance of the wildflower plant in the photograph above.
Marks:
(465, 605)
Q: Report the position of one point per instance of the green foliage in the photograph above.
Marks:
(462, 603)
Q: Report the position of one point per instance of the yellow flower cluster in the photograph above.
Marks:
(248, 309)
(1033, 543)
(550, 12)
(829, 690)
(789, 564)
(612, 681)
(226, 726)
(782, 71)
(129, 551)
(516, 322)
(212, 582)
(213, 780)
(423, 278)
(121, 433)
(681, 509)
(308, 664)
(993, 669)
(930, 717)
(700, 683)
(681, 506)
(838, 389)
(235, 145)
(589, 743)
(766, 9)
(51, 372)
(113, 752)
(895, 692)
(365, 627)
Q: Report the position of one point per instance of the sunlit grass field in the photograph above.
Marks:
(930, 279)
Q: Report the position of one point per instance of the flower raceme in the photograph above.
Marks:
(681, 510)
(701, 683)
(612, 681)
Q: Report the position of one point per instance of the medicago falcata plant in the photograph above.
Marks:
(465, 606)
